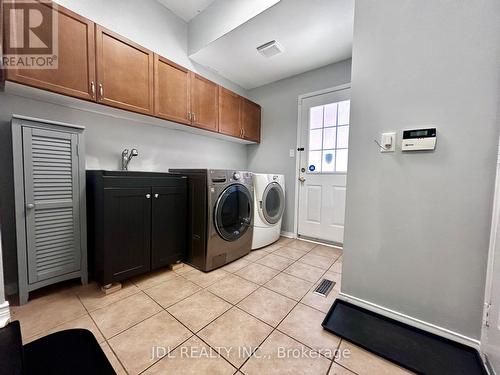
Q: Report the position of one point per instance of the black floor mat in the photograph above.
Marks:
(407, 346)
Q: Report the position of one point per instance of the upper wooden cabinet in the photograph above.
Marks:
(124, 73)
(171, 91)
(75, 75)
(204, 103)
(250, 120)
(99, 65)
(229, 113)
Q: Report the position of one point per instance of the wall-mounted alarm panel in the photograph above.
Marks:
(419, 140)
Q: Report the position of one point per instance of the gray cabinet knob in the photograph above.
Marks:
(148, 196)
(30, 206)
(157, 195)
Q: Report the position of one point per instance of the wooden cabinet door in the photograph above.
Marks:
(168, 231)
(127, 232)
(204, 103)
(229, 113)
(124, 73)
(171, 90)
(75, 73)
(251, 121)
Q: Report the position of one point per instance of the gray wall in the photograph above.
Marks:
(156, 28)
(417, 224)
(106, 137)
(279, 101)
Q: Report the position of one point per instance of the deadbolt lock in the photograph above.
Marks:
(302, 170)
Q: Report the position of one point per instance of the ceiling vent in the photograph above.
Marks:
(270, 49)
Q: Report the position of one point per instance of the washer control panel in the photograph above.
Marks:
(242, 177)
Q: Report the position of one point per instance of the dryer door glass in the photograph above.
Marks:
(233, 212)
(273, 203)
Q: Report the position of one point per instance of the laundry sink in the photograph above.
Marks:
(118, 173)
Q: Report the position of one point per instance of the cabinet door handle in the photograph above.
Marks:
(92, 88)
(157, 195)
(30, 206)
(148, 196)
(101, 90)
(189, 116)
(194, 117)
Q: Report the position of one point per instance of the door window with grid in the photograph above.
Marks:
(328, 137)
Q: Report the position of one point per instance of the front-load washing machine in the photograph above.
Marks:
(269, 198)
(220, 216)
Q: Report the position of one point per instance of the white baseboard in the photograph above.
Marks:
(4, 314)
(400, 317)
(287, 234)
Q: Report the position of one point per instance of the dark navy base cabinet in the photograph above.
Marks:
(136, 222)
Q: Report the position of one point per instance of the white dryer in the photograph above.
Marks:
(269, 204)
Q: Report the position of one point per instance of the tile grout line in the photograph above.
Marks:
(104, 337)
(206, 288)
(235, 306)
(341, 365)
(274, 328)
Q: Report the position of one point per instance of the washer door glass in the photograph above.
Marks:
(273, 203)
(233, 212)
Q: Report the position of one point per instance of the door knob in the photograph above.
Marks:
(30, 206)
(148, 196)
(302, 179)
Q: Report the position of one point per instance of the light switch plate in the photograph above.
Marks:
(392, 147)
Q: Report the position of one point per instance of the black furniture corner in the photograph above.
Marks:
(136, 222)
(73, 351)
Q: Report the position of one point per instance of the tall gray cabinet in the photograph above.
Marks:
(49, 185)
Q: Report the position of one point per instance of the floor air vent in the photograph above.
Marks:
(324, 287)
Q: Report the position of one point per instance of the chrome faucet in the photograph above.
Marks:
(126, 157)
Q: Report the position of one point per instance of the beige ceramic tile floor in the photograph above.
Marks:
(242, 318)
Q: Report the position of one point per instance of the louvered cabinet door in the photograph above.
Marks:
(52, 203)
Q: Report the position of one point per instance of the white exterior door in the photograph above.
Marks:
(490, 338)
(324, 138)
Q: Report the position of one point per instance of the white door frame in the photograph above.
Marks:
(299, 132)
(493, 248)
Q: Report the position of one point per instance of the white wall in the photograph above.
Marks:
(220, 18)
(149, 24)
(279, 101)
(417, 224)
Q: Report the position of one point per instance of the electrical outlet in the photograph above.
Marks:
(388, 142)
